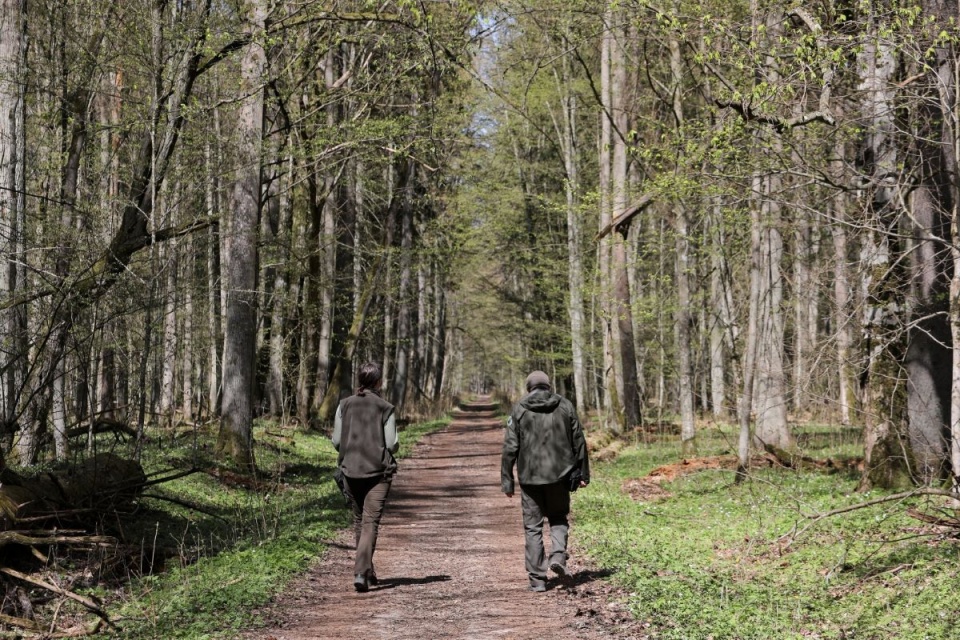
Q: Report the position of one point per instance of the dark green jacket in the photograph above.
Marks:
(545, 441)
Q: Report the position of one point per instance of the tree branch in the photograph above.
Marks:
(815, 518)
(748, 113)
(621, 222)
(87, 602)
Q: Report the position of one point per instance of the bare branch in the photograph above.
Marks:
(895, 497)
(748, 113)
(87, 602)
(621, 221)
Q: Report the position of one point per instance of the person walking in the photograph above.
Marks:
(545, 441)
(365, 435)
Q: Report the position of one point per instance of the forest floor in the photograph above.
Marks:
(449, 559)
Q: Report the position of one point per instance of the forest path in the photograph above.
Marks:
(449, 558)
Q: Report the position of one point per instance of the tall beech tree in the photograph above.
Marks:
(240, 261)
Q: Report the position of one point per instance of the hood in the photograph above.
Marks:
(540, 401)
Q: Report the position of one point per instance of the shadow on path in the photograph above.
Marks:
(390, 583)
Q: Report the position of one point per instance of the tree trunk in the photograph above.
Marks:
(331, 399)
(168, 352)
(928, 359)
(109, 190)
(310, 303)
(684, 335)
(396, 190)
(213, 287)
(684, 320)
(567, 135)
(934, 204)
(359, 241)
(611, 398)
(431, 314)
(419, 352)
(186, 370)
(344, 302)
(843, 320)
(59, 414)
(404, 333)
(142, 369)
(235, 441)
(888, 459)
(618, 261)
(281, 297)
(107, 375)
(770, 402)
(723, 330)
(948, 85)
(803, 289)
(750, 345)
(13, 49)
(439, 335)
(329, 250)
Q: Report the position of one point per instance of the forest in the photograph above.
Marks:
(713, 225)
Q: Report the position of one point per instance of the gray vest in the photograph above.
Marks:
(363, 451)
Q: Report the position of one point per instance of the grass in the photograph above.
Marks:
(215, 564)
(713, 561)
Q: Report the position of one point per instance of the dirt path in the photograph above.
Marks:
(449, 559)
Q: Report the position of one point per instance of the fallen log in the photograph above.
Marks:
(946, 521)
(796, 460)
(28, 538)
(103, 425)
(21, 623)
(105, 482)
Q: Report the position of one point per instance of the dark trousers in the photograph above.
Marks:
(539, 502)
(367, 497)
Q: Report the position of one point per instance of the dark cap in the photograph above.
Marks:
(537, 379)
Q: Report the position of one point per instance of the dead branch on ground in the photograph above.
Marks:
(895, 497)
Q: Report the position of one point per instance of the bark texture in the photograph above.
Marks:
(235, 442)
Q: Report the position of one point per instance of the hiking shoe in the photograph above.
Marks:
(360, 583)
(558, 569)
(538, 587)
(373, 580)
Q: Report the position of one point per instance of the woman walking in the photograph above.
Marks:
(365, 434)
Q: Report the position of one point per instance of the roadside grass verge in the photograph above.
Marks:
(714, 560)
(201, 572)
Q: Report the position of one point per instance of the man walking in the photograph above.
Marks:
(545, 441)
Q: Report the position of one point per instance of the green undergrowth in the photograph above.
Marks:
(715, 560)
(207, 550)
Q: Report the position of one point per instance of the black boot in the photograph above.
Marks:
(360, 583)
